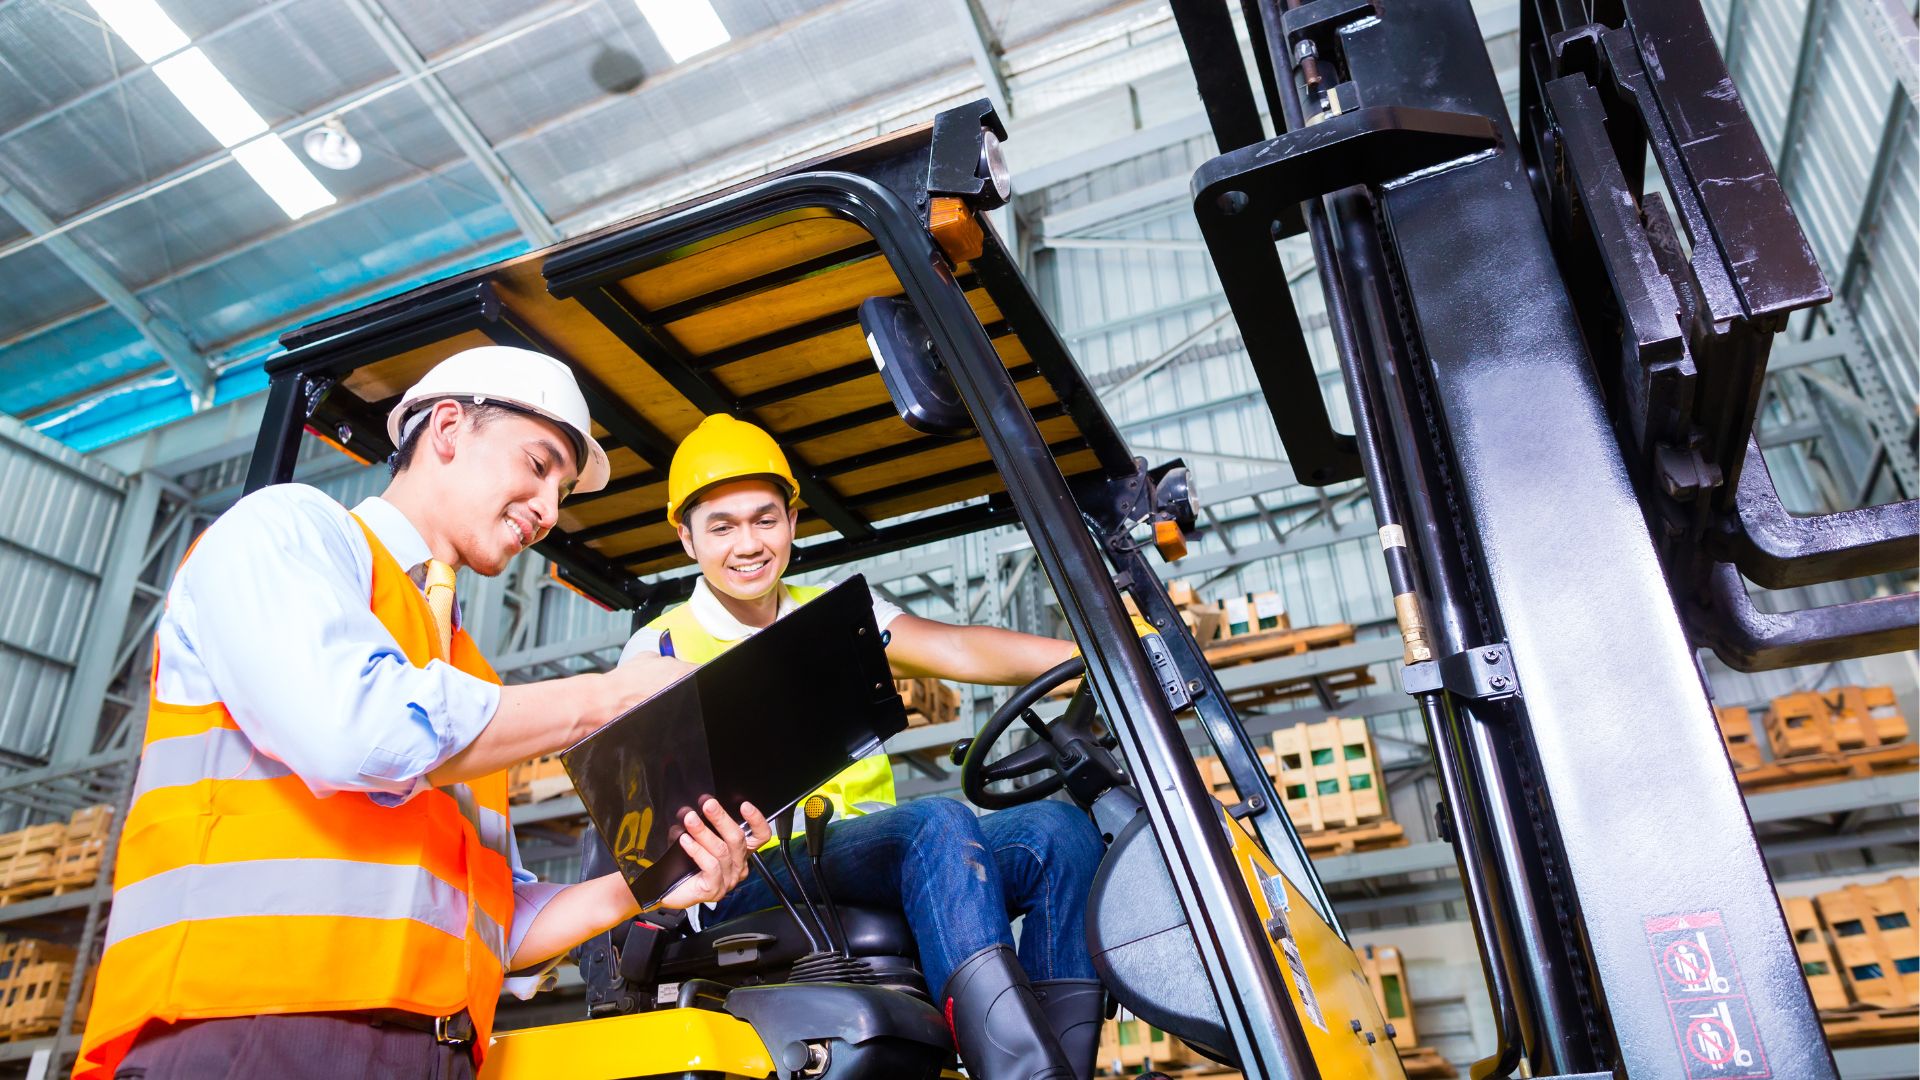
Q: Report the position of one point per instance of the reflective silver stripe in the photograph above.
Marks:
(493, 937)
(490, 824)
(294, 887)
(214, 754)
(494, 831)
(872, 807)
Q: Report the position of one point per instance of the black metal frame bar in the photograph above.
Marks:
(629, 321)
(1682, 338)
(302, 379)
(839, 467)
(1250, 197)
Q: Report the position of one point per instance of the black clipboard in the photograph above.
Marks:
(766, 722)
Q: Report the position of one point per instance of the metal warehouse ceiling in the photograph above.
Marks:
(133, 248)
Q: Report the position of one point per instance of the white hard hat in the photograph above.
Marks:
(519, 379)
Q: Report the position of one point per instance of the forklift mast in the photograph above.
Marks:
(1553, 360)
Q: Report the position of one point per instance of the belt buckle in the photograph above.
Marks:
(455, 1030)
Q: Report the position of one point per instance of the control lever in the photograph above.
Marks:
(793, 873)
(819, 811)
(773, 886)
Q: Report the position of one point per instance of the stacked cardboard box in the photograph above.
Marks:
(1329, 776)
(1388, 978)
(1206, 622)
(1254, 613)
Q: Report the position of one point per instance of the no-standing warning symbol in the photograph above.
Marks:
(1706, 1000)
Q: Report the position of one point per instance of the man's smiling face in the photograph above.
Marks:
(503, 487)
(741, 534)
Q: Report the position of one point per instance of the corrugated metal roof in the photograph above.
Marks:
(93, 139)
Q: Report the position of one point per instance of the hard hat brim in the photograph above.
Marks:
(678, 515)
(594, 471)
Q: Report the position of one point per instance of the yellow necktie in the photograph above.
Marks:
(439, 589)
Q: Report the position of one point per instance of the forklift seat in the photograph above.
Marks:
(769, 940)
(763, 947)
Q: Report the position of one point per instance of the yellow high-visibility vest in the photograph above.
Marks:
(862, 787)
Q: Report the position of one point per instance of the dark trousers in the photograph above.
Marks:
(310, 1046)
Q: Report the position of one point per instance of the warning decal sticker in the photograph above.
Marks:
(1706, 1000)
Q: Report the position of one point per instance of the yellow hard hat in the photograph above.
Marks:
(719, 450)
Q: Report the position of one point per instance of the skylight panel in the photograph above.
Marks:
(210, 97)
(283, 176)
(143, 26)
(686, 28)
(213, 101)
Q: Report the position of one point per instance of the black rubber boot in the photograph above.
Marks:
(998, 1025)
(1075, 1010)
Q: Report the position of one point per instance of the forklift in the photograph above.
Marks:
(1553, 387)
(861, 309)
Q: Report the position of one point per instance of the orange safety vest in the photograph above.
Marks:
(238, 892)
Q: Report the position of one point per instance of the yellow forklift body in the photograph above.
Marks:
(670, 1042)
(1331, 971)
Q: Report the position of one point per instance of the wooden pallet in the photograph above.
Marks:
(34, 999)
(1230, 652)
(1273, 644)
(1269, 644)
(33, 890)
(1372, 837)
(1871, 1027)
(1829, 768)
(1422, 1062)
(54, 859)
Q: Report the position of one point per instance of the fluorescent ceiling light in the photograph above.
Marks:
(226, 115)
(274, 167)
(142, 25)
(210, 97)
(686, 28)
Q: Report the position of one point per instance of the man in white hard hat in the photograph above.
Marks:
(317, 878)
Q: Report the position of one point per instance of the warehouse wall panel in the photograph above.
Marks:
(56, 518)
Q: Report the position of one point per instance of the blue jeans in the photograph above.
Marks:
(929, 859)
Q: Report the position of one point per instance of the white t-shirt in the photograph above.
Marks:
(714, 617)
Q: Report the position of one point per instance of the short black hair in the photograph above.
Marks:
(478, 415)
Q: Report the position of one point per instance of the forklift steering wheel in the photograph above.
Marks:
(976, 772)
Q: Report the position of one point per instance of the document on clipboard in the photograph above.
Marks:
(766, 722)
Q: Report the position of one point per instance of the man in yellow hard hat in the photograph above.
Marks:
(958, 878)
(317, 878)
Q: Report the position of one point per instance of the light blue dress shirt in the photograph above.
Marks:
(271, 615)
